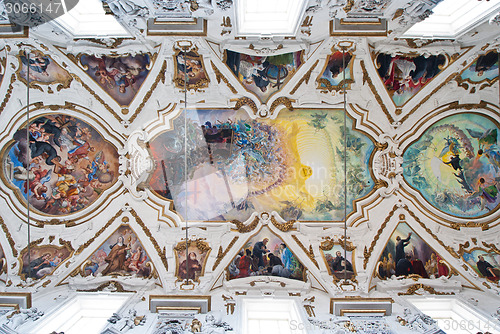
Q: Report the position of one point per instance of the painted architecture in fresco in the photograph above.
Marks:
(263, 75)
(484, 69)
(120, 77)
(194, 267)
(455, 165)
(121, 254)
(338, 261)
(485, 263)
(70, 164)
(190, 66)
(332, 76)
(44, 260)
(403, 76)
(236, 165)
(42, 69)
(408, 254)
(266, 254)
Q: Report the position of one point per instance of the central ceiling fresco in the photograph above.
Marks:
(189, 166)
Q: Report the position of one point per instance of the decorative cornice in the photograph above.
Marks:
(412, 290)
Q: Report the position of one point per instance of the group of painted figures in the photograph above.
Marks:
(64, 172)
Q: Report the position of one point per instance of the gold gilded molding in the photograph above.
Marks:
(97, 97)
(180, 80)
(114, 286)
(309, 253)
(281, 100)
(221, 254)
(160, 77)
(412, 290)
(8, 94)
(219, 76)
(91, 240)
(161, 252)
(458, 225)
(427, 97)
(305, 78)
(9, 237)
(242, 228)
(246, 101)
(428, 230)
(367, 79)
(283, 227)
(368, 252)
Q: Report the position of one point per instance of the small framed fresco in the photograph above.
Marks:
(42, 69)
(266, 254)
(263, 75)
(122, 254)
(194, 267)
(405, 75)
(483, 69)
(486, 263)
(190, 66)
(70, 166)
(119, 76)
(338, 258)
(43, 260)
(337, 71)
(407, 254)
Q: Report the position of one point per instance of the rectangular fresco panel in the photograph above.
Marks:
(42, 69)
(44, 260)
(338, 70)
(120, 77)
(236, 165)
(339, 266)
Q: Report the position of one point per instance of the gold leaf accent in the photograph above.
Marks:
(112, 284)
(412, 290)
(281, 100)
(86, 244)
(368, 253)
(366, 78)
(161, 76)
(309, 253)
(242, 228)
(8, 93)
(219, 76)
(285, 227)
(246, 101)
(9, 237)
(305, 78)
(97, 97)
(221, 254)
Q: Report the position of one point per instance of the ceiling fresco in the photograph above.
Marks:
(236, 165)
(169, 164)
(67, 162)
(455, 165)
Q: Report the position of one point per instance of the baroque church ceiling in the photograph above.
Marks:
(184, 137)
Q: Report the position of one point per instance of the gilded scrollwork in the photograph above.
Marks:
(309, 252)
(221, 254)
(415, 288)
(219, 76)
(387, 165)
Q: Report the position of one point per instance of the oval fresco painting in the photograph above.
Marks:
(455, 165)
(70, 164)
(235, 165)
